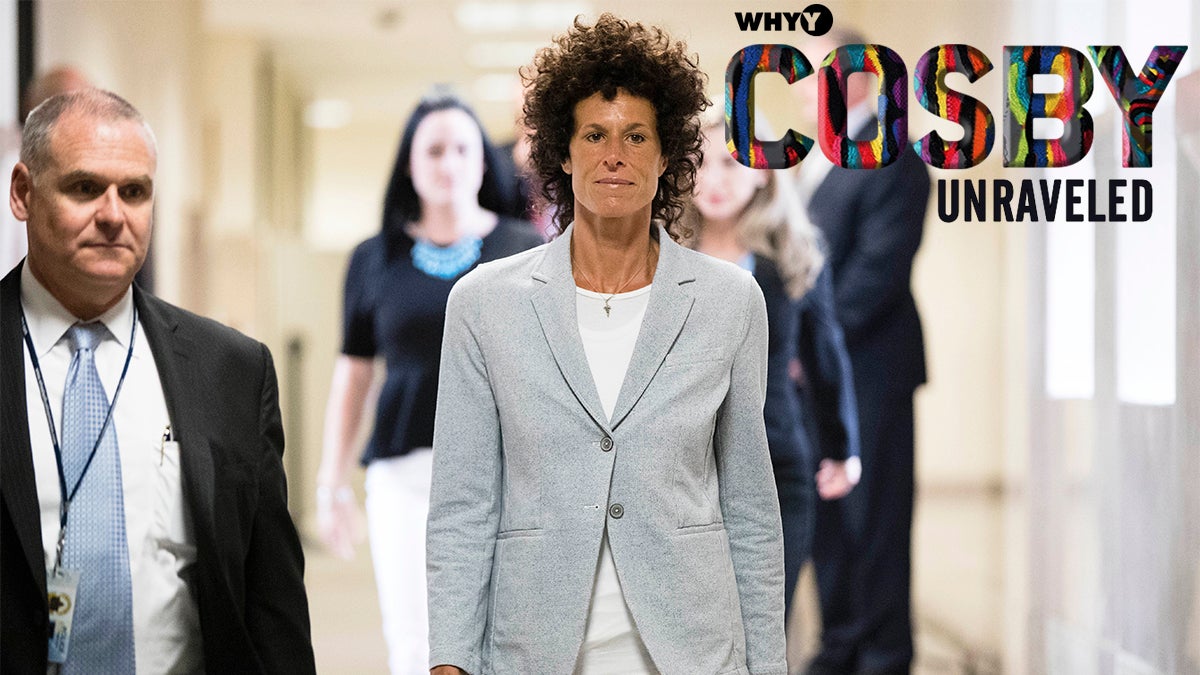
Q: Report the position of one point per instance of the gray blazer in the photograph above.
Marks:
(528, 473)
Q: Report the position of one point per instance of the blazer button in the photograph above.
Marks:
(616, 510)
(606, 444)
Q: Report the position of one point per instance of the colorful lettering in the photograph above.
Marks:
(1022, 106)
(891, 132)
(745, 147)
(929, 82)
(1137, 95)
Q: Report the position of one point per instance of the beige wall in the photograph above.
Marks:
(349, 173)
(8, 64)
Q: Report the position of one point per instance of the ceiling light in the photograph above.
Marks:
(496, 87)
(328, 113)
(495, 17)
(510, 54)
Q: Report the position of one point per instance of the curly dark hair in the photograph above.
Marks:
(609, 55)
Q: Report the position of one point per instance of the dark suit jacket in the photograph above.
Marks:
(222, 397)
(872, 221)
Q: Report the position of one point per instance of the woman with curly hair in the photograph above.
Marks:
(754, 218)
(603, 500)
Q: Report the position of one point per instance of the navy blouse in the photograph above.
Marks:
(816, 416)
(394, 310)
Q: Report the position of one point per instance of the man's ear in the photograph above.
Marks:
(19, 191)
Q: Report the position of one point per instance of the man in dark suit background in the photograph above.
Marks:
(204, 570)
(872, 222)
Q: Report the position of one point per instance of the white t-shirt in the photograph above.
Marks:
(608, 338)
(611, 643)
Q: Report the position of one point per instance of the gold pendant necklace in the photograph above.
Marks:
(607, 307)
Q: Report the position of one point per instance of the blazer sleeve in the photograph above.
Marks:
(464, 509)
(875, 276)
(276, 604)
(829, 380)
(749, 503)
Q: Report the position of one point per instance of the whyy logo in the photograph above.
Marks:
(815, 20)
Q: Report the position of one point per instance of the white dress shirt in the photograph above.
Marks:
(166, 621)
(611, 642)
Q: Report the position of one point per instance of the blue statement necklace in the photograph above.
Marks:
(446, 262)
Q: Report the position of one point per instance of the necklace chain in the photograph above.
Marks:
(607, 307)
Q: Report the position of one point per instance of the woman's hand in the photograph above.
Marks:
(339, 520)
(836, 479)
(340, 523)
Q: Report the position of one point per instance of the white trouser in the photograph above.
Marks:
(397, 506)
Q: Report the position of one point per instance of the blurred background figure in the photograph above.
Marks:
(516, 151)
(57, 80)
(753, 217)
(442, 215)
(872, 221)
(531, 204)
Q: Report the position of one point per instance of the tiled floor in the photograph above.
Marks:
(345, 613)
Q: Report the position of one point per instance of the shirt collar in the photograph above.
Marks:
(48, 320)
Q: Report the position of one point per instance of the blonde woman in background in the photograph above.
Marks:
(753, 218)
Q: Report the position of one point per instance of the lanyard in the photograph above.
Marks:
(67, 496)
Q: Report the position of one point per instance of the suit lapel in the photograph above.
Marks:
(554, 304)
(666, 312)
(17, 482)
(173, 351)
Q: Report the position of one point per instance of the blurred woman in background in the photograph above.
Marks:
(753, 218)
(441, 217)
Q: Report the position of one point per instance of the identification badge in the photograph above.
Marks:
(61, 593)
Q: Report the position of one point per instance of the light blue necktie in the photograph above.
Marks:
(102, 630)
